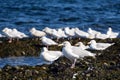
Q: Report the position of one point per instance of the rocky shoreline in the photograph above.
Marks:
(106, 65)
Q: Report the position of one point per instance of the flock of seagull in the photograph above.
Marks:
(79, 51)
(60, 33)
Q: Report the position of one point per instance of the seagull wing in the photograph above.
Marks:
(50, 55)
(81, 53)
(51, 42)
(104, 45)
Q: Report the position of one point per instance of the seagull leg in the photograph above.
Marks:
(10, 40)
(17, 39)
(70, 38)
(73, 65)
(56, 39)
(47, 46)
(37, 38)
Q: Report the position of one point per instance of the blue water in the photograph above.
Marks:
(17, 61)
(25, 14)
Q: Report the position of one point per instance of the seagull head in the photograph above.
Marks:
(6, 29)
(46, 28)
(65, 44)
(33, 29)
(109, 29)
(79, 44)
(15, 30)
(92, 42)
(44, 49)
(89, 30)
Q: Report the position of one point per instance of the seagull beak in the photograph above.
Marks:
(77, 44)
(60, 44)
(89, 43)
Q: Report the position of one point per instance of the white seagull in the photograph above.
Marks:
(47, 41)
(55, 34)
(69, 32)
(58, 34)
(13, 33)
(111, 33)
(37, 33)
(101, 36)
(92, 33)
(19, 34)
(7, 32)
(48, 31)
(50, 56)
(99, 46)
(81, 45)
(62, 33)
(81, 33)
(74, 53)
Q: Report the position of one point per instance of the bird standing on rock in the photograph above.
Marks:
(81, 45)
(13, 33)
(73, 53)
(98, 46)
(47, 41)
(37, 33)
(50, 56)
(111, 33)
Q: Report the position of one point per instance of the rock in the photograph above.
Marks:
(106, 66)
(88, 75)
(44, 68)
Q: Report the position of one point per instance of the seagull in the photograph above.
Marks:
(58, 34)
(74, 53)
(92, 33)
(6, 31)
(69, 32)
(81, 33)
(48, 31)
(99, 46)
(13, 33)
(111, 33)
(47, 41)
(62, 33)
(19, 34)
(37, 33)
(81, 45)
(55, 34)
(50, 56)
(101, 36)
(9, 33)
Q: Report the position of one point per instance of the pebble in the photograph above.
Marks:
(44, 68)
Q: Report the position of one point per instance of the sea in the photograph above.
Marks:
(25, 14)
